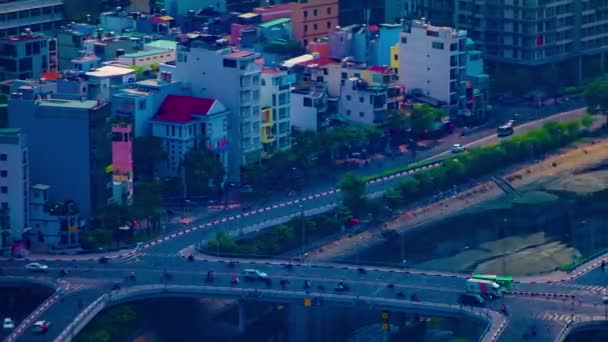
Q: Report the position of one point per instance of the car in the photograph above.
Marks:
(251, 274)
(471, 299)
(36, 267)
(457, 148)
(8, 324)
(41, 327)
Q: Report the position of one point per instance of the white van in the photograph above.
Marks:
(485, 288)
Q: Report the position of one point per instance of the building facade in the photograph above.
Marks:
(275, 101)
(37, 15)
(313, 19)
(25, 56)
(432, 62)
(69, 144)
(184, 123)
(211, 69)
(122, 163)
(14, 187)
(370, 11)
(53, 225)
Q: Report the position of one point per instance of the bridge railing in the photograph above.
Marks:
(495, 321)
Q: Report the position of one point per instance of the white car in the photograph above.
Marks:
(8, 324)
(457, 148)
(36, 267)
(252, 274)
(41, 327)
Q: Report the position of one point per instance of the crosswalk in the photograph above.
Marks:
(568, 317)
(133, 257)
(596, 289)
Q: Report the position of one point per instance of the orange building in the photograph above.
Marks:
(313, 19)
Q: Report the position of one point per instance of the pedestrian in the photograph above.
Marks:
(603, 265)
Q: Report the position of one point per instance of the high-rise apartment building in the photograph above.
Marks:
(25, 56)
(313, 19)
(14, 186)
(353, 12)
(535, 32)
(37, 15)
(211, 69)
(69, 144)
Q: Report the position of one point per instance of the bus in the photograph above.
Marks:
(506, 282)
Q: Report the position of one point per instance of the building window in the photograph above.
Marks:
(4, 189)
(315, 12)
(403, 40)
(437, 45)
(305, 28)
(348, 112)
(344, 75)
(328, 24)
(3, 156)
(361, 99)
(328, 10)
(315, 27)
(3, 173)
(142, 104)
(361, 114)
(229, 63)
(305, 14)
(432, 33)
(5, 205)
(348, 97)
(307, 102)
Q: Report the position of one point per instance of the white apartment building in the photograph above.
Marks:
(275, 100)
(38, 15)
(432, 62)
(14, 186)
(210, 68)
(363, 103)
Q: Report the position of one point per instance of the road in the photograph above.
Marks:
(88, 279)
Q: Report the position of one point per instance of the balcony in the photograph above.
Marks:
(30, 21)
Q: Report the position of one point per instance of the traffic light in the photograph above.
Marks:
(385, 316)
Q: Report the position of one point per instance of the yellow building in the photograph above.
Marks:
(268, 132)
(395, 58)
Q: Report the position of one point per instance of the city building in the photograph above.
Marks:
(24, 56)
(146, 57)
(211, 69)
(311, 106)
(364, 44)
(138, 102)
(101, 80)
(185, 122)
(273, 12)
(570, 33)
(370, 11)
(37, 15)
(362, 103)
(53, 225)
(277, 29)
(14, 187)
(122, 163)
(179, 9)
(275, 100)
(69, 144)
(312, 19)
(432, 63)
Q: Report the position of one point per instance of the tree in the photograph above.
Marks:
(423, 118)
(596, 96)
(147, 202)
(393, 198)
(147, 153)
(96, 238)
(353, 191)
(204, 172)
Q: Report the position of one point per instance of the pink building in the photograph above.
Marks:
(235, 32)
(274, 12)
(122, 163)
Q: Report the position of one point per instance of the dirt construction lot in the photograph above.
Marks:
(565, 162)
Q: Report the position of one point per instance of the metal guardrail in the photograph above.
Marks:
(495, 322)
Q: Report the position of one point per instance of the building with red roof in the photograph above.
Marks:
(186, 122)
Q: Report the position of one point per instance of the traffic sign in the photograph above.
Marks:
(307, 302)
